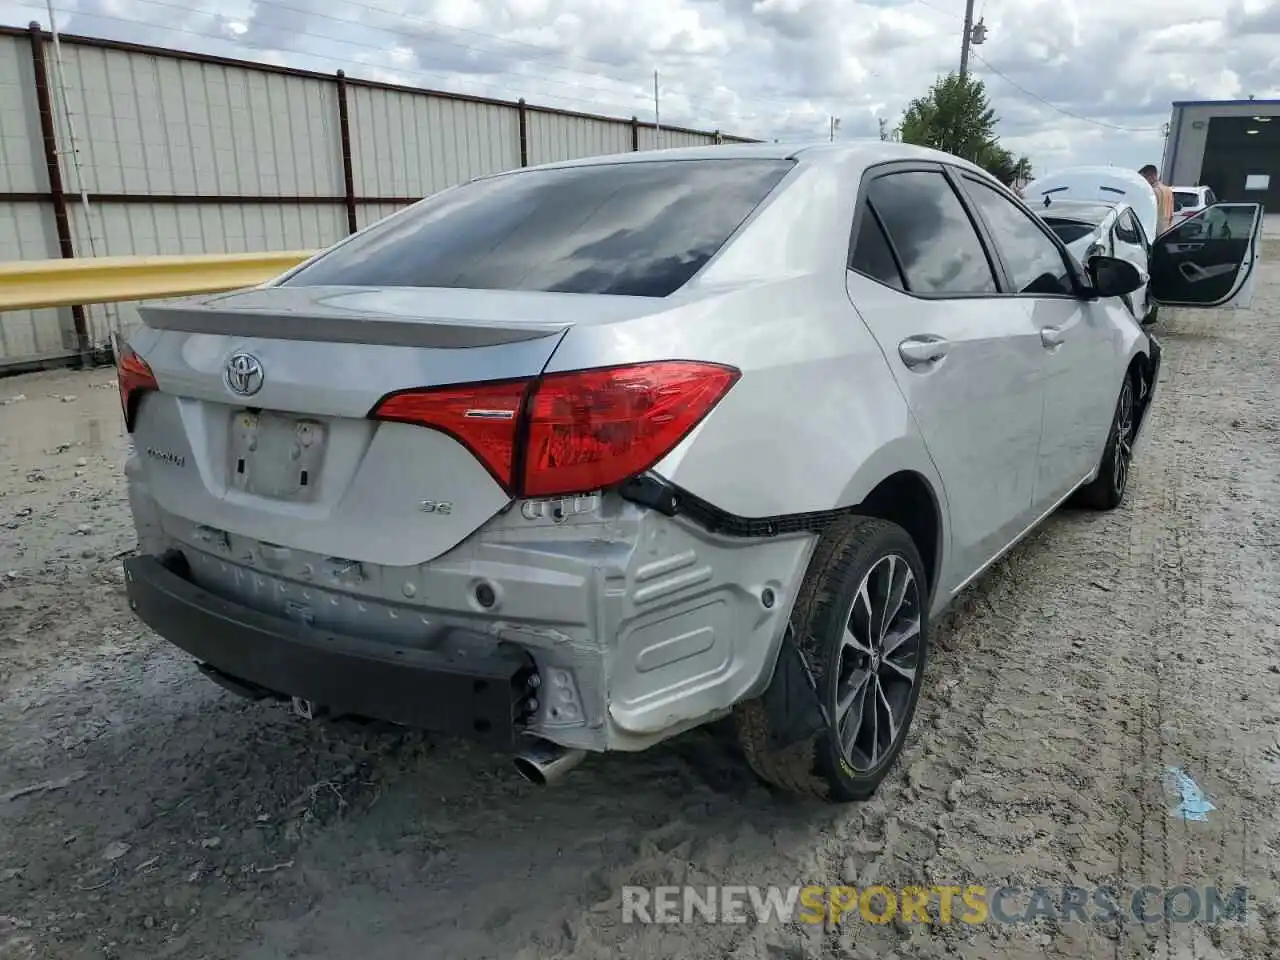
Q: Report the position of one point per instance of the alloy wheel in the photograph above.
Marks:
(879, 663)
(1124, 438)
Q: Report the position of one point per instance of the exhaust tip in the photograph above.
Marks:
(530, 771)
(543, 762)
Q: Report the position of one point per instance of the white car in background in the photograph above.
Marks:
(1094, 228)
(1188, 201)
(1107, 184)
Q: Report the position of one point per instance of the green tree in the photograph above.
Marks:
(955, 116)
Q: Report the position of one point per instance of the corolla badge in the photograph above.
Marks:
(244, 374)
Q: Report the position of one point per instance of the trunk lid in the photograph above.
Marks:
(292, 462)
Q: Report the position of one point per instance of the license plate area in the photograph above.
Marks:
(275, 455)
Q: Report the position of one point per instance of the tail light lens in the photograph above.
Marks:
(483, 417)
(134, 378)
(570, 432)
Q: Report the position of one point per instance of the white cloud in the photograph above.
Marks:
(761, 68)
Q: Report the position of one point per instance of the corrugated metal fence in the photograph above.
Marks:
(178, 153)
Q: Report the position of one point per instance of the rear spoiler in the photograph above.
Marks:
(350, 315)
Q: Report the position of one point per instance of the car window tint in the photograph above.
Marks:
(933, 236)
(871, 254)
(1032, 260)
(635, 229)
(1209, 198)
(1182, 200)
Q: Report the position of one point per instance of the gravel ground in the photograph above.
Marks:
(145, 813)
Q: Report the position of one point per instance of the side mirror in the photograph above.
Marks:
(1113, 277)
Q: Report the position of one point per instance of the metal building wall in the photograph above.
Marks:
(181, 153)
(1189, 133)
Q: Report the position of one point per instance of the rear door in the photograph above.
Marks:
(1209, 260)
(1081, 374)
(968, 359)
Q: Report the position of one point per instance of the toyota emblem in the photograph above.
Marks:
(244, 374)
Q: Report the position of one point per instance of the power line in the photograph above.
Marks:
(1053, 106)
(1035, 96)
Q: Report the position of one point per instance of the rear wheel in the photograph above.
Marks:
(1106, 492)
(859, 633)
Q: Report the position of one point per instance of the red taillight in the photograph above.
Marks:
(484, 417)
(134, 378)
(581, 430)
(591, 429)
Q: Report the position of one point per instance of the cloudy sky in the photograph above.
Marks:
(1074, 81)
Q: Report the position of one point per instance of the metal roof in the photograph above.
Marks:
(1227, 103)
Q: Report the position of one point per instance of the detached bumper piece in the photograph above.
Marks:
(481, 697)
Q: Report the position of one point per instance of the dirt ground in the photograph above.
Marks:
(145, 813)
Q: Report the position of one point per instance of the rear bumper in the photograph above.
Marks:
(482, 697)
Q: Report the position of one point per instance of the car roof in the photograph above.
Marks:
(865, 153)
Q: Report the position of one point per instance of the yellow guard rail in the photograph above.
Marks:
(31, 284)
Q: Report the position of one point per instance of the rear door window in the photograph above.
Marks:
(931, 233)
(871, 254)
(638, 229)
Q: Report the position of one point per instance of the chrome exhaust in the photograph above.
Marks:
(544, 763)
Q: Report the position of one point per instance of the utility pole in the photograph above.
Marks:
(657, 117)
(974, 34)
(835, 125)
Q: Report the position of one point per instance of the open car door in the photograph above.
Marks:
(1210, 259)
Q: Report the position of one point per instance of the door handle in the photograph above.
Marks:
(922, 351)
(1052, 337)
(1193, 272)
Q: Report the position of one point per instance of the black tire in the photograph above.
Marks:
(791, 735)
(1106, 491)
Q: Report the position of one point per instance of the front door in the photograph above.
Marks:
(1080, 375)
(1210, 259)
(969, 361)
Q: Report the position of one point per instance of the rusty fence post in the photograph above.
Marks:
(348, 168)
(523, 115)
(57, 194)
(635, 134)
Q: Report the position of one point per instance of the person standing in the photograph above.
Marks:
(1164, 198)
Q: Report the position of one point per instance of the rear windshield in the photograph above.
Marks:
(634, 229)
(1183, 199)
(1069, 231)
